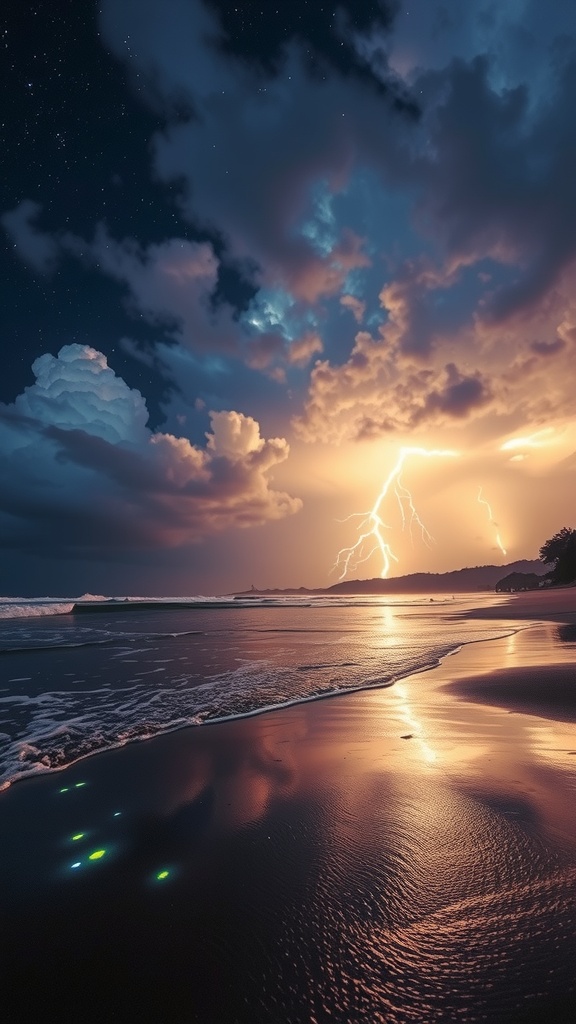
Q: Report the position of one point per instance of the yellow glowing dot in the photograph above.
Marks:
(97, 855)
(79, 835)
(162, 874)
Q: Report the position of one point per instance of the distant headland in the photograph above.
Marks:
(459, 581)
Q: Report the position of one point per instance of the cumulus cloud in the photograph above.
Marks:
(301, 350)
(83, 473)
(355, 305)
(234, 435)
(369, 396)
(519, 374)
(77, 390)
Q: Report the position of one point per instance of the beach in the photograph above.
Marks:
(396, 854)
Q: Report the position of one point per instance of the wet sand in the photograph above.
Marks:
(403, 854)
(556, 605)
(548, 691)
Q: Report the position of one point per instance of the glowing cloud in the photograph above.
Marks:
(537, 440)
(371, 538)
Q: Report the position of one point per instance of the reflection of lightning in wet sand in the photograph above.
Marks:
(414, 724)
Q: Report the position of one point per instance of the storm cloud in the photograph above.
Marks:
(83, 474)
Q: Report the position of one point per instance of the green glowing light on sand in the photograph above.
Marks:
(79, 835)
(96, 855)
(64, 789)
(162, 875)
(80, 784)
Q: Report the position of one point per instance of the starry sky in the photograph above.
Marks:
(252, 256)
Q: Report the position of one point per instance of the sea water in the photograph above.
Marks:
(78, 678)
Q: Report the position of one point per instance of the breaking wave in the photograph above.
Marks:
(74, 689)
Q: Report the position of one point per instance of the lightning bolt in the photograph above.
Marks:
(492, 521)
(372, 525)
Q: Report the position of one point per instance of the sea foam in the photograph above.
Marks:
(99, 681)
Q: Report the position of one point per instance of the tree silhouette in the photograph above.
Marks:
(561, 550)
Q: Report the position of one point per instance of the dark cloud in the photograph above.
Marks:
(490, 168)
(246, 156)
(325, 32)
(375, 393)
(34, 247)
(548, 348)
(424, 306)
(499, 182)
(175, 285)
(458, 398)
(270, 125)
(171, 285)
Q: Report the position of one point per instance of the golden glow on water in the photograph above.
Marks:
(477, 745)
(414, 724)
(352, 873)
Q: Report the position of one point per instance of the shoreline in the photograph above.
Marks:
(557, 606)
(401, 853)
(549, 605)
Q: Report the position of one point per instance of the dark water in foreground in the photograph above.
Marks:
(305, 865)
(75, 684)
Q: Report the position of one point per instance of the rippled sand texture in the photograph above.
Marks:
(399, 855)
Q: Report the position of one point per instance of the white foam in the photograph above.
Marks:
(22, 609)
(309, 655)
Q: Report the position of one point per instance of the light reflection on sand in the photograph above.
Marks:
(281, 756)
(414, 724)
(324, 863)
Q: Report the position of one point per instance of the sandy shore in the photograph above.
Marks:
(397, 855)
(555, 605)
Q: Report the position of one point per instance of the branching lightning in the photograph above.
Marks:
(492, 521)
(372, 525)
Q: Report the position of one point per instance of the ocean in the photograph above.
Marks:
(82, 676)
(401, 854)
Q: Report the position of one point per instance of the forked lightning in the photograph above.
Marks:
(372, 524)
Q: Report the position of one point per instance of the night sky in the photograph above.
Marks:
(252, 253)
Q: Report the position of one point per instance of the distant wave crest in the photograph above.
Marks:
(28, 609)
